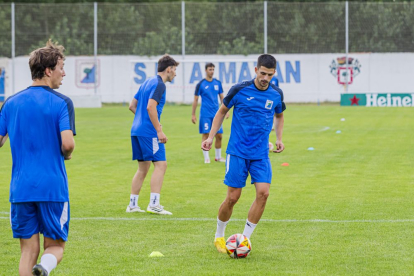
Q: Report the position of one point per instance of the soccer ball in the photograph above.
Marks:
(271, 146)
(238, 246)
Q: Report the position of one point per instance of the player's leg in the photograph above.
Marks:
(25, 226)
(137, 181)
(261, 174)
(204, 129)
(138, 153)
(52, 256)
(160, 167)
(223, 217)
(30, 249)
(54, 224)
(219, 137)
(235, 179)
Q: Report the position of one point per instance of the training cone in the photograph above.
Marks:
(156, 254)
(285, 164)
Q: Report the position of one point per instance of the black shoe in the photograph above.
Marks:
(38, 270)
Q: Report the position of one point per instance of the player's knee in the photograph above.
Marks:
(219, 137)
(232, 199)
(263, 195)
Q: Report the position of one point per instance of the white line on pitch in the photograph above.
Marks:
(262, 220)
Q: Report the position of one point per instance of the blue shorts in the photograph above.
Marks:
(48, 218)
(147, 149)
(205, 125)
(237, 170)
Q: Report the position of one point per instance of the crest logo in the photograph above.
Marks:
(87, 74)
(216, 87)
(269, 104)
(338, 69)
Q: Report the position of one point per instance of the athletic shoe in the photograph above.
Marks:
(158, 210)
(220, 244)
(39, 270)
(221, 159)
(133, 210)
(206, 161)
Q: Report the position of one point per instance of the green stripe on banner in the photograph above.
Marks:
(375, 99)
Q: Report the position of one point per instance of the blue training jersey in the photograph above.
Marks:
(252, 118)
(152, 88)
(34, 119)
(209, 91)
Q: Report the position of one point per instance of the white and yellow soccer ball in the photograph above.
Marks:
(238, 246)
(271, 147)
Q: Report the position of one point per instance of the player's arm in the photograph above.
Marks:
(3, 139)
(133, 105)
(193, 116)
(217, 122)
(221, 102)
(153, 114)
(68, 144)
(279, 132)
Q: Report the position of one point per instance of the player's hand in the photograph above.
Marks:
(227, 115)
(161, 137)
(193, 119)
(206, 145)
(68, 157)
(279, 147)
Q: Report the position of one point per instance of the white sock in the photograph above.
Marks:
(49, 262)
(221, 226)
(249, 228)
(218, 153)
(133, 201)
(154, 199)
(206, 156)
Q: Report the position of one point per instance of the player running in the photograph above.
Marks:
(41, 124)
(147, 137)
(208, 89)
(255, 104)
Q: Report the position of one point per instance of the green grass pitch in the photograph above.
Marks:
(346, 208)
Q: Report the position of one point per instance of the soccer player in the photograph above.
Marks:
(255, 104)
(147, 137)
(40, 123)
(208, 89)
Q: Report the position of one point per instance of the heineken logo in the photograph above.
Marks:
(339, 69)
(380, 100)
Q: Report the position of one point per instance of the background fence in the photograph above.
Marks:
(152, 29)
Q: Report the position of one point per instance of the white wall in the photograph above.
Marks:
(303, 77)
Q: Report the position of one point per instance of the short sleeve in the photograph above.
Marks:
(281, 106)
(197, 89)
(3, 123)
(136, 95)
(230, 99)
(158, 92)
(67, 117)
(220, 88)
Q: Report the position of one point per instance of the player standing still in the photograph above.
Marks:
(208, 89)
(41, 124)
(255, 104)
(147, 137)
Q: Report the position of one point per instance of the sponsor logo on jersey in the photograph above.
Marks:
(206, 87)
(269, 104)
(251, 98)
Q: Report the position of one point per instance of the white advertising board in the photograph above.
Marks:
(302, 77)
